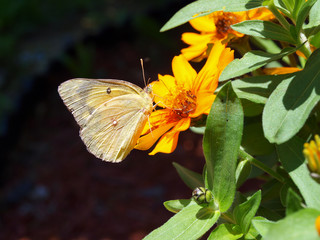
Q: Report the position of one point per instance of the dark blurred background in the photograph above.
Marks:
(50, 186)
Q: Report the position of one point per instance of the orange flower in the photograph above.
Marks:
(216, 27)
(182, 97)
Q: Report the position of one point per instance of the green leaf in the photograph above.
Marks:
(288, 4)
(226, 232)
(258, 89)
(297, 226)
(302, 13)
(190, 223)
(253, 140)
(176, 205)
(282, 7)
(221, 145)
(262, 225)
(313, 26)
(266, 45)
(252, 234)
(264, 29)
(244, 212)
(292, 101)
(292, 159)
(242, 172)
(293, 202)
(190, 178)
(204, 7)
(315, 39)
(250, 62)
(251, 109)
(314, 16)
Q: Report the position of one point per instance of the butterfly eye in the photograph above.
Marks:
(202, 195)
(108, 90)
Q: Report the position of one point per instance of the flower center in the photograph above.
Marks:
(224, 21)
(183, 103)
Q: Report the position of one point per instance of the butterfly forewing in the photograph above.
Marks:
(111, 114)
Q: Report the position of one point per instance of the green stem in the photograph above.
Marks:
(304, 48)
(265, 168)
(279, 16)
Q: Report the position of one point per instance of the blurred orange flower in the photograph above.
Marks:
(216, 27)
(318, 225)
(182, 97)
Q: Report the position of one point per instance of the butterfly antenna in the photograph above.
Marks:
(144, 77)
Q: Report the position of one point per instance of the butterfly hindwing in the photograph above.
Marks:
(112, 131)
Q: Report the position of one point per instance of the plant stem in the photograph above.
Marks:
(279, 16)
(305, 48)
(265, 168)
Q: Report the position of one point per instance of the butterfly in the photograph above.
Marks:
(111, 114)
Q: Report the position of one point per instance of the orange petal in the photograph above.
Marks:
(204, 102)
(203, 24)
(195, 51)
(183, 72)
(195, 38)
(156, 119)
(168, 142)
(145, 142)
(207, 76)
(280, 70)
(260, 14)
(162, 88)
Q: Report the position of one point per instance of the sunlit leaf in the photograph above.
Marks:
(204, 7)
(190, 223)
(297, 226)
(292, 101)
(250, 62)
(265, 29)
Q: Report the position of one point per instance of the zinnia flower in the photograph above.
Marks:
(182, 97)
(216, 27)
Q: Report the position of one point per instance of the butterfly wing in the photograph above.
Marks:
(111, 114)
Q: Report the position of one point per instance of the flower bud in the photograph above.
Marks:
(202, 195)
